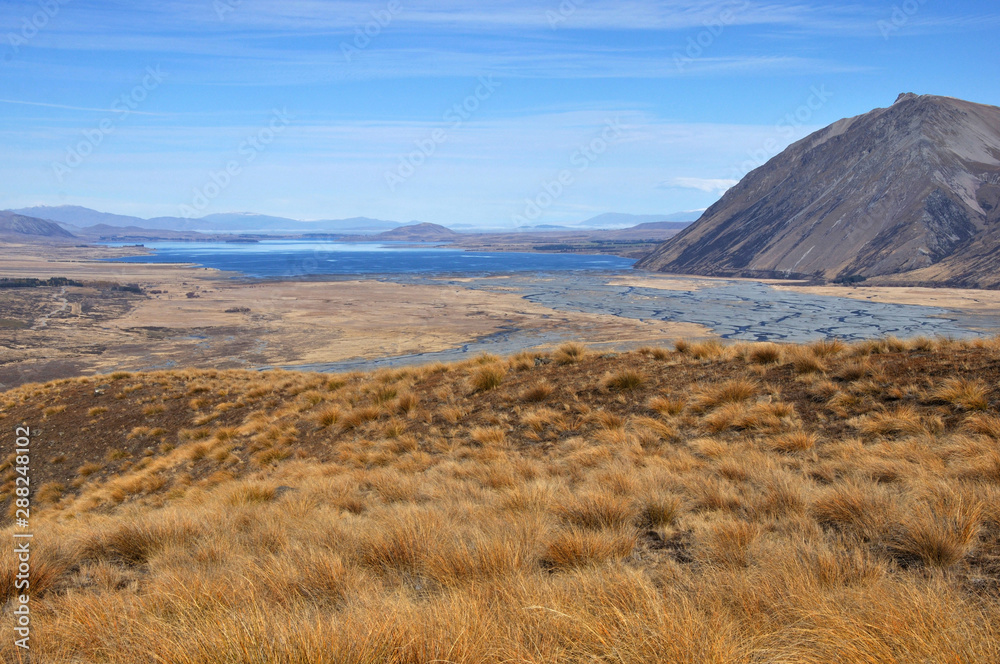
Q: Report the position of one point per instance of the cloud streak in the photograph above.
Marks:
(708, 185)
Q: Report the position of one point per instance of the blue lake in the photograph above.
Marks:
(293, 258)
(732, 309)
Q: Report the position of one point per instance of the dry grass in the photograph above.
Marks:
(725, 504)
(765, 353)
(727, 392)
(626, 380)
(899, 420)
(963, 393)
(487, 377)
(538, 392)
(570, 353)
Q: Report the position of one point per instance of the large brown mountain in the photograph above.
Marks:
(905, 194)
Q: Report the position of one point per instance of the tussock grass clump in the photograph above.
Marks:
(963, 393)
(328, 416)
(765, 353)
(625, 380)
(252, 493)
(668, 406)
(795, 441)
(50, 492)
(727, 544)
(727, 392)
(938, 533)
(861, 510)
(981, 423)
(761, 417)
(487, 377)
(900, 420)
(827, 347)
(569, 353)
(88, 469)
(577, 547)
(406, 403)
(702, 350)
(655, 352)
(660, 511)
(597, 510)
(359, 416)
(805, 361)
(854, 369)
(489, 436)
(134, 542)
(538, 392)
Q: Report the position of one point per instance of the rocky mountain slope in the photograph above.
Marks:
(12, 224)
(905, 194)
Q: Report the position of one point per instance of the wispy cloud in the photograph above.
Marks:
(20, 102)
(708, 185)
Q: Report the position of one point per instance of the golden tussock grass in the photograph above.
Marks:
(626, 380)
(765, 353)
(727, 507)
(727, 392)
(963, 393)
(570, 353)
(487, 377)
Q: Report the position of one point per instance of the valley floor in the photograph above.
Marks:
(195, 317)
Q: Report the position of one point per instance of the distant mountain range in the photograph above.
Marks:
(82, 221)
(76, 217)
(904, 194)
(615, 220)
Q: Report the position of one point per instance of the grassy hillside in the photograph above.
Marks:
(749, 503)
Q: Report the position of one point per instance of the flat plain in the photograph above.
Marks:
(188, 316)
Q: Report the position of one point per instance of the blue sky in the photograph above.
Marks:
(496, 114)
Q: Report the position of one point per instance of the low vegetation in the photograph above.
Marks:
(824, 503)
